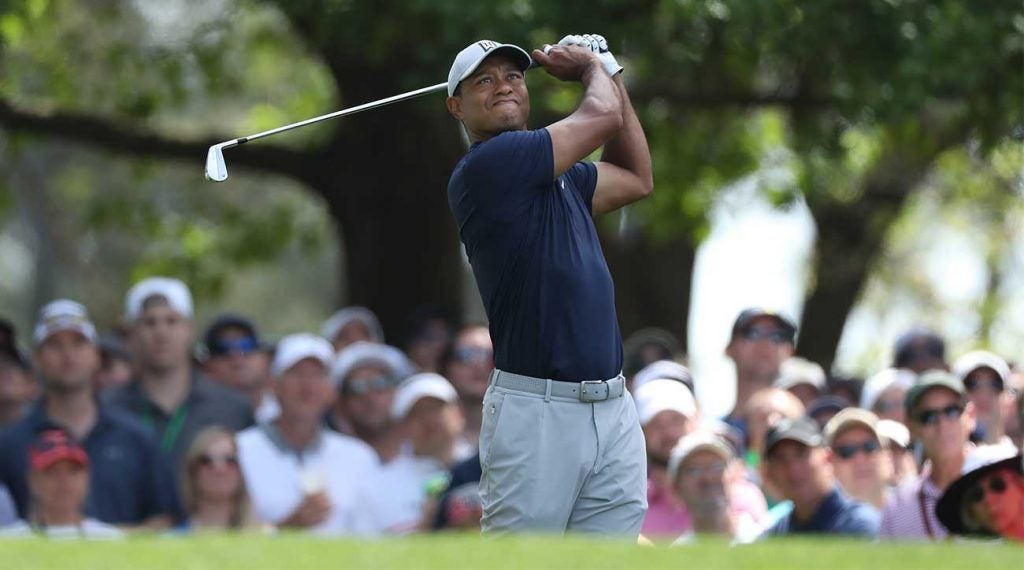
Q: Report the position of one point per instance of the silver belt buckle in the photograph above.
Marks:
(594, 391)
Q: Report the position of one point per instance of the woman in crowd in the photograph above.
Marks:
(212, 488)
(988, 499)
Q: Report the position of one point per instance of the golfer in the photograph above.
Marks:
(560, 445)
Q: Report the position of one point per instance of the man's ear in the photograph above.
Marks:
(454, 104)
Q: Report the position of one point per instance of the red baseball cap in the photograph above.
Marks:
(55, 445)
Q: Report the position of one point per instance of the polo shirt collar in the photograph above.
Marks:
(831, 505)
(273, 434)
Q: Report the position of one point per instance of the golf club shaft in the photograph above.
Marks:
(349, 111)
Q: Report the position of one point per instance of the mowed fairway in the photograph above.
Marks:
(449, 552)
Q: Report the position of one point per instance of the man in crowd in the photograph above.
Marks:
(699, 468)
(895, 439)
(428, 334)
(170, 395)
(115, 363)
(942, 420)
(856, 455)
(17, 386)
(885, 393)
(667, 411)
(764, 409)
(663, 369)
(427, 408)
(299, 474)
(131, 482)
(797, 465)
(469, 365)
(919, 350)
(352, 324)
(366, 375)
(235, 357)
(985, 375)
(59, 482)
(761, 340)
(802, 378)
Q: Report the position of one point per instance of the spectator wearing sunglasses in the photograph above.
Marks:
(235, 357)
(988, 500)
(469, 366)
(366, 375)
(856, 455)
(212, 488)
(984, 375)
(761, 340)
(942, 420)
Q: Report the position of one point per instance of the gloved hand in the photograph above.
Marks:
(598, 45)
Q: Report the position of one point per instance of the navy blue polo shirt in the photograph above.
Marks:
(837, 514)
(537, 260)
(129, 479)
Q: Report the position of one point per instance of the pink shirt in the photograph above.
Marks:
(667, 515)
(910, 511)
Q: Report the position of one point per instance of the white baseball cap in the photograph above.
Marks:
(894, 432)
(470, 58)
(294, 348)
(339, 320)
(176, 292)
(663, 394)
(663, 369)
(63, 315)
(882, 381)
(981, 359)
(694, 442)
(363, 353)
(418, 386)
(796, 371)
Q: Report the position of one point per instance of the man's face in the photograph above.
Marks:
(352, 332)
(67, 360)
(433, 425)
(61, 486)
(162, 337)
(942, 424)
(492, 100)
(983, 389)
(304, 390)
(366, 397)
(702, 482)
(16, 384)
(237, 360)
(806, 393)
(858, 462)
(801, 473)
(662, 433)
(759, 349)
(889, 405)
(471, 364)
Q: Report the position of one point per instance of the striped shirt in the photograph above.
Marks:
(910, 511)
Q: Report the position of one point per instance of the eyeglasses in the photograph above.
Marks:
(931, 417)
(714, 470)
(777, 336)
(474, 354)
(996, 486)
(849, 450)
(244, 345)
(365, 386)
(207, 460)
(973, 383)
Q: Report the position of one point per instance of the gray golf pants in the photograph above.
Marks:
(555, 464)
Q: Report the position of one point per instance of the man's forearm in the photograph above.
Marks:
(628, 149)
(600, 93)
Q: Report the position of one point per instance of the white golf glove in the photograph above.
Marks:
(598, 45)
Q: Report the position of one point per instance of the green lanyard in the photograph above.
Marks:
(173, 429)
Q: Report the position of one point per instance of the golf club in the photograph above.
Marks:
(217, 170)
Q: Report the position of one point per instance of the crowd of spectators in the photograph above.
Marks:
(161, 429)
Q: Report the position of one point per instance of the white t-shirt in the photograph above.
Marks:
(399, 493)
(278, 478)
(90, 529)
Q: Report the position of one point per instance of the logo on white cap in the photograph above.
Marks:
(63, 315)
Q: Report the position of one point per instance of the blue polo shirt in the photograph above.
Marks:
(537, 261)
(837, 514)
(129, 481)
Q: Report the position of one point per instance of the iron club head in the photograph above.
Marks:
(216, 169)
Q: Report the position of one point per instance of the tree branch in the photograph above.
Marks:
(712, 100)
(110, 135)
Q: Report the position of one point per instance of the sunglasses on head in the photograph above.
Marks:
(473, 354)
(849, 450)
(931, 417)
(244, 345)
(365, 386)
(207, 460)
(996, 485)
(777, 336)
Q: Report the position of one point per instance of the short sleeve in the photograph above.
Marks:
(583, 177)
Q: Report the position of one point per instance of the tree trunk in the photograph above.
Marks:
(653, 280)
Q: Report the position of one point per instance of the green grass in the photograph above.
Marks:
(452, 552)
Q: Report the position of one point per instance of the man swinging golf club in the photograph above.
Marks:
(560, 445)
